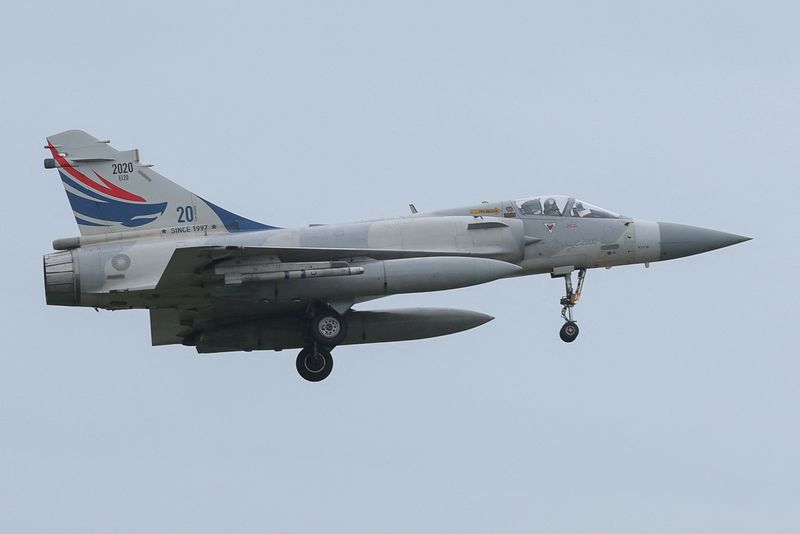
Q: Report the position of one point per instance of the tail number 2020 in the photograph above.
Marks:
(121, 168)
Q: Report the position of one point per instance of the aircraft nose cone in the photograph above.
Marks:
(679, 240)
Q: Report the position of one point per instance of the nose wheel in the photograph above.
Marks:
(569, 331)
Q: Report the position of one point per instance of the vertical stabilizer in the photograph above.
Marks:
(110, 191)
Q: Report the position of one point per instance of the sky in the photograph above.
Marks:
(676, 410)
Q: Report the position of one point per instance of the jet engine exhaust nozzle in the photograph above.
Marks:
(61, 279)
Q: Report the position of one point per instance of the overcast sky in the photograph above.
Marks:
(675, 411)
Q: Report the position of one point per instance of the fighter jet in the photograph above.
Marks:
(221, 282)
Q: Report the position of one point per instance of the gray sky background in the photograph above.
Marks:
(675, 411)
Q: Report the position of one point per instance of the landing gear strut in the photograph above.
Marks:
(570, 330)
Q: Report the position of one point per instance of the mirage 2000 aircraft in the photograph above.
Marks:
(220, 282)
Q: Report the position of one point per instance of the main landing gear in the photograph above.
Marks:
(326, 329)
(315, 363)
(569, 331)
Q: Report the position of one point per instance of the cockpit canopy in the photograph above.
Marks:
(561, 206)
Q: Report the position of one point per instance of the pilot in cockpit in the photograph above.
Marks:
(579, 210)
(531, 207)
(550, 208)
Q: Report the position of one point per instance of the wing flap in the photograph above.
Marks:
(169, 326)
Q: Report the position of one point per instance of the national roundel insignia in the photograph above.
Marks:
(550, 227)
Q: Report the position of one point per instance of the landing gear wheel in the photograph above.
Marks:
(569, 332)
(314, 363)
(328, 328)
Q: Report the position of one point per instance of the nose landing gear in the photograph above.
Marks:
(569, 331)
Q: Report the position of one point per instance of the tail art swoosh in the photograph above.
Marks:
(103, 203)
(107, 188)
(97, 210)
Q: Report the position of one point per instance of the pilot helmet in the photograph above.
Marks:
(532, 207)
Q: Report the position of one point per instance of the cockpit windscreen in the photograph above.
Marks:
(562, 206)
(552, 205)
(590, 211)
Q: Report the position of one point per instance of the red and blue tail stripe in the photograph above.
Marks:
(104, 203)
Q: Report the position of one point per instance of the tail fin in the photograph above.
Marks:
(110, 191)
